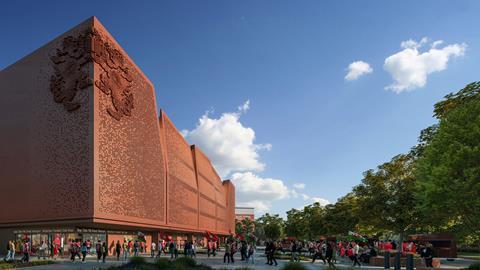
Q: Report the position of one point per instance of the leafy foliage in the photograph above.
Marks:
(455, 100)
(272, 226)
(386, 196)
(434, 187)
(448, 174)
(294, 266)
(244, 227)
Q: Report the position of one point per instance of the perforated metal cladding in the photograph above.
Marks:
(95, 151)
(46, 150)
(131, 168)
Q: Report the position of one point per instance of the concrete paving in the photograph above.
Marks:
(217, 263)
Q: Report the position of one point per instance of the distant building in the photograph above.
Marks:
(242, 213)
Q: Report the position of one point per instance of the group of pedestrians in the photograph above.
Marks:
(212, 247)
(247, 251)
(25, 250)
(326, 251)
(270, 249)
(81, 249)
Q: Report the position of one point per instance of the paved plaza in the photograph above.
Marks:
(217, 263)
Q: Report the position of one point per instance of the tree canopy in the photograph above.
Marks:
(434, 187)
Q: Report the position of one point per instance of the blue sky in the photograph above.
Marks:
(289, 60)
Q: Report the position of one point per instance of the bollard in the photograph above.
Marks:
(410, 264)
(398, 257)
(386, 260)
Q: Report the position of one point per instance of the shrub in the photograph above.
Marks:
(18, 264)
(137, 260)
(294, 266)
(204, 267)
(186, 261)
(475, 266)
(163, 263)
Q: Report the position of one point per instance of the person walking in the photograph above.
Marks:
(194, 255)
(84, 250)
(426, 253)
(159, 248)
(226, 256)
(153, 247)
(243, 250)
(171, 249)
(104, 251)
(10, 251)
(267, 252)
(273, 249)
(355, 251)
(329, 255)
(78, 246)
(251, 253)
(214, 248)
(175, 249)
(135, 248)
(318, 252)
(71, 248)
(98, 250)
(126, 250)
(26, 252)
(42, 250)
(55, 251)
(293, 249)
(233, 250)
(118, 249)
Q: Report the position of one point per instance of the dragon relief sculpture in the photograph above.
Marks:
(71, 75)
(115, 79)
(70, 71)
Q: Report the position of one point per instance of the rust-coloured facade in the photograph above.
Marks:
(84, 147)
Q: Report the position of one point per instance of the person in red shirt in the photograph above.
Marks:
(388, 246)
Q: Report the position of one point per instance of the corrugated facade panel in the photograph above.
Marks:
(182, 182)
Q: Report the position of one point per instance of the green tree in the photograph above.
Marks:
(343, 216)
(454, 100)
(296, 224)
(448, 173)
(272, 226)
(244, 227)
(315, 216)
(386, 197)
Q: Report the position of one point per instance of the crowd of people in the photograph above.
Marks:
(247, 251)
(327, 251)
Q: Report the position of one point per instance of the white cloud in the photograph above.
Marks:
(299, 186)
(357, 69)
(244, 107)
(227, 142)
(322, 201)
(253, 187)
(253, 190)
(410, 68)
(231, 148)
(260, 206)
